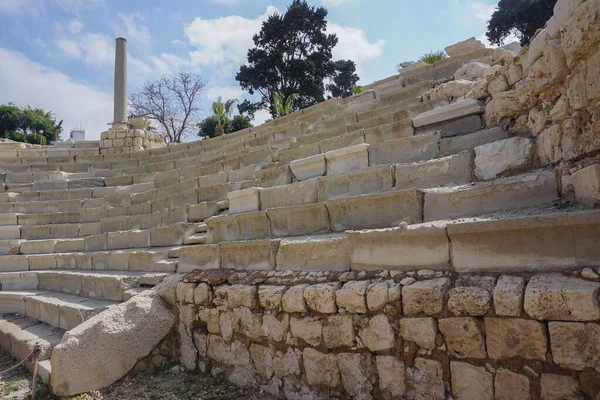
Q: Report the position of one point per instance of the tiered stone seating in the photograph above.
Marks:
(375, 181)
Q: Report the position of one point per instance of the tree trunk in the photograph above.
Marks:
(219, 130)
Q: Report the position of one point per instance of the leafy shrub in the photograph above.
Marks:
(433, 56)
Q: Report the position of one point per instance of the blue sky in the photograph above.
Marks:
(59, 54)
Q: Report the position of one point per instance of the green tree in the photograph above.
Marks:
(283, 105)
(9, 119)
(293, 54)
(206, 127)
(222, 114)
(520, 17)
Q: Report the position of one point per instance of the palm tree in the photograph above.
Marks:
(222, 113)
(282, 105)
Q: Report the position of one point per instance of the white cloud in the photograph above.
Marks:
(77, 101)
(474, 14)
(260, 117)
(36, 7)
(334, 3)
(178, 41)
(69, 48)
(226, 92)
(130, 27)
(75, 26)
(354, 45)
(20, 6)
(224, 40)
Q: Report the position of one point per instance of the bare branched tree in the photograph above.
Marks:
(171, 102)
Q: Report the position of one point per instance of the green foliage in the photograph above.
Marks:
(429, 58)
(208, 125)
(35, 125)
(292, 53)
(433, 56)
(283, 105)
(357, 89)
(520, 17)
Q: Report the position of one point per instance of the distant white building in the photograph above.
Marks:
(77, 134)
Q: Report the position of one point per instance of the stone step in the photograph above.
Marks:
(400, 92)
(146, 260)
(19, 335)
(61, 310)
(104, 285)
(174, 252)
(514, 192)
(201, 228)
(195, 239)
(462, 108)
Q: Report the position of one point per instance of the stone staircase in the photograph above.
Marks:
(383, 180)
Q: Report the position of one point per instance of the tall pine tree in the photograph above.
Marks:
(293, 54)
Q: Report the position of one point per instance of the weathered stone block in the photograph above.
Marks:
(309, 167)
(463, 337)
(470, 382)
(559, 387)
(411, 149)
(293, 299)
(299, 220)
(471, 301)
(339, 331)
(575, 345)
(244, 200)
(367, 181)
(425, 297)
(511, 386)
(456, 110)
(425, 380)
(321, 297)
(249, 254)
(351, 297)
(356, 371)
(586, 183)
(508, 338)
(421, 331)
(198, 257)
(503, 157)
(321, 369)
(558, 297)
(391, 372)
(378, 335)
(347, 159)
(508, 296)
(314, 253)
(309, 329)
(290, 195)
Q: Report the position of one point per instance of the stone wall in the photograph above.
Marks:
(395, 335)
(123, 139)
(551, 91)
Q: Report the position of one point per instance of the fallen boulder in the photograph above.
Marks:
(105, 348)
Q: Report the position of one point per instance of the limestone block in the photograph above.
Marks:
(558, 297)
(309, 167)
(425, 297)
(471, 71)
(412, 149)
(116, 353)
(287, 364)
(378, 335)
(463, 337)
(503, 157)
(456, 110)
(338, 332)
(467, 46)
(391, 372)
(559, 387)
(213, 179)
(321, 297)
(299, 220)
(375, 210)
(274, 329)
(199, 212)
(370, 180)
(320, 369)
(351, 297)
(425, 380)
(508, 338)
(575, 345)
(262, 358)
(586, 183)
(314, 253)
(290, 195)
(505, 193)
(167, 236)
(276, 176)
(223, 228)
(198, 257)
(356, 371)
(10, 232)
(202, 294)
(471, 301)
(244, 200)
(580, 32)
(421, 331)
(511, 386)
(249, 254)
(293, 299)
(309, 329)
(269, 297)
(454, 169)
(127, 239)
(347, 159)
(508, 296)
(470, 382)
(412, 247)
(391, 131)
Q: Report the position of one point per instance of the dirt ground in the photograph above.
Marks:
(167, 383)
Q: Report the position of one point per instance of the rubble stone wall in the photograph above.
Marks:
(395, 335)
(121, 139)
(551, 90)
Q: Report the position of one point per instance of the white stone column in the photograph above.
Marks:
(120, 100)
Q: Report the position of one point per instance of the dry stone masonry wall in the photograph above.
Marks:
(123, 139)
(394, 335)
